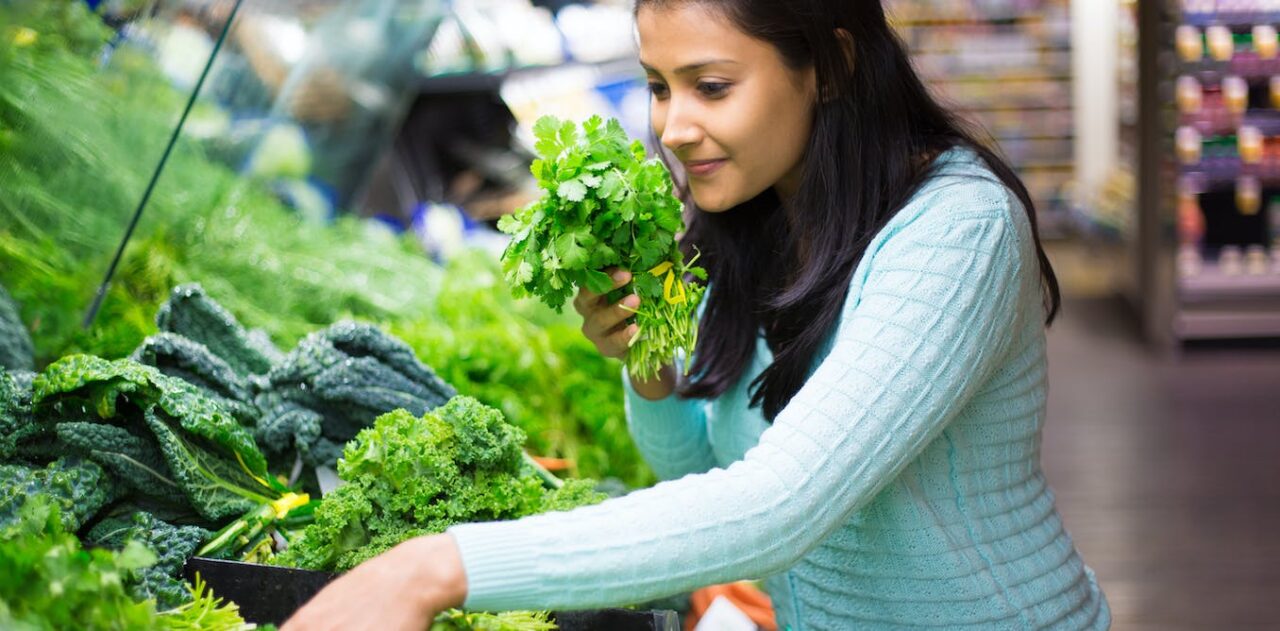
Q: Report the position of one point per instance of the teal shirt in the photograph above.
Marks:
(901, 487)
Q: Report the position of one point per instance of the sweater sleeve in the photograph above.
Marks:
(671, 433)
(928, 328)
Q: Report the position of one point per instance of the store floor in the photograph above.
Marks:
(1167, 472)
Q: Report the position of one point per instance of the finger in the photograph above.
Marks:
(605, 320)
(618, 342)
(587, 300)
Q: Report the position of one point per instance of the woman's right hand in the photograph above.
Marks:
(606, 325)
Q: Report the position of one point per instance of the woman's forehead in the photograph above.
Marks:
(677, 36)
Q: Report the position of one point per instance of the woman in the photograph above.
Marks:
(862, 424)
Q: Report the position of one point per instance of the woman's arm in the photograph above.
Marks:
(932, 321)
(670, 432)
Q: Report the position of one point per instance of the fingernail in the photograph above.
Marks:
(621, 276)
(632, 301)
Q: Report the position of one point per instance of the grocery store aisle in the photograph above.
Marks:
(1167, 473)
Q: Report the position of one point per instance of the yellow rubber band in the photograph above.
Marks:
(676, 297)
(288, 502)
(661, 268)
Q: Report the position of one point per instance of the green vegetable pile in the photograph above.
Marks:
(604, 205)
(77, 146)
(49, 582)
(408, 476)
(194, 443)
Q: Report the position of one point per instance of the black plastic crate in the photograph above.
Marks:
(268, 594)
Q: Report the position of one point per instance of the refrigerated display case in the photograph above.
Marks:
(1209, 192)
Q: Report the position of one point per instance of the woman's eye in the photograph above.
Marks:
(712, 89)
(657, 89)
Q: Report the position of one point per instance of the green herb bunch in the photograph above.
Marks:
(605, 205)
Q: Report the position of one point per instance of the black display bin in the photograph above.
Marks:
(269, 595)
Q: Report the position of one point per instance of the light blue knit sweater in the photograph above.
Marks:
(901, 487)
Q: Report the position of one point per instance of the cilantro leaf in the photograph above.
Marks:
(605, 204)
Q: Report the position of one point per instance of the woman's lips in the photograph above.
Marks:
(703, 168)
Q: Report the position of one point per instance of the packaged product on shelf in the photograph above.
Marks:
(1255, 260)
(1248, 195)
(1189, 94)
(1222, 45)
(1189, 43)
(1250, 141)
(1265, 41)
(1230, 260)
(1188, 143)
(1235, 93)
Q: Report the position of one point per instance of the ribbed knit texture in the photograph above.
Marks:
(901, 487)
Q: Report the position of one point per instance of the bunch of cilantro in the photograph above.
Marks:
(605, 205)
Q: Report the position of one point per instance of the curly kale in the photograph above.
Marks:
(408, 476)
(79, 487)
(16, 350)
(339, 380)
(193, 315)
(171, 545)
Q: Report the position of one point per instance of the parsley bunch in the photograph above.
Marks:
(605, 205)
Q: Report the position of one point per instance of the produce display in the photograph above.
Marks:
(408, 476)
(605, 205)
(135, 459)
(238, 348)
(76, 147)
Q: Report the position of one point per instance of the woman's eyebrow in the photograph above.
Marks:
(693, 67)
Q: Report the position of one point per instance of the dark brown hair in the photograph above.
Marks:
(875, 134)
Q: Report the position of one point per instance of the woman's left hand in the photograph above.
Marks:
(403, 588)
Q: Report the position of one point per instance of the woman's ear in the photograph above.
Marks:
(845, 40)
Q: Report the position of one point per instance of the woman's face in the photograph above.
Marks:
(725, 104)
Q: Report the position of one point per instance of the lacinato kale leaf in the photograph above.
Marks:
(78, 487)
(193, 315)
(202, 450)
(605, 205)
(334, 383)
(171, 545)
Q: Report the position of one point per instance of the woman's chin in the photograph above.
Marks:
(712, 202)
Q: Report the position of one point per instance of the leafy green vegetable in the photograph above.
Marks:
(16, 352)
(16, 422)
(129, 454)
(191, 314)
(48, 582)
(79, 487)
(531, 363)
(347, 375)
(193, 363)
(171, 545)
(408, 476)
(605, 205)
(455, 620)
(209, 456)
